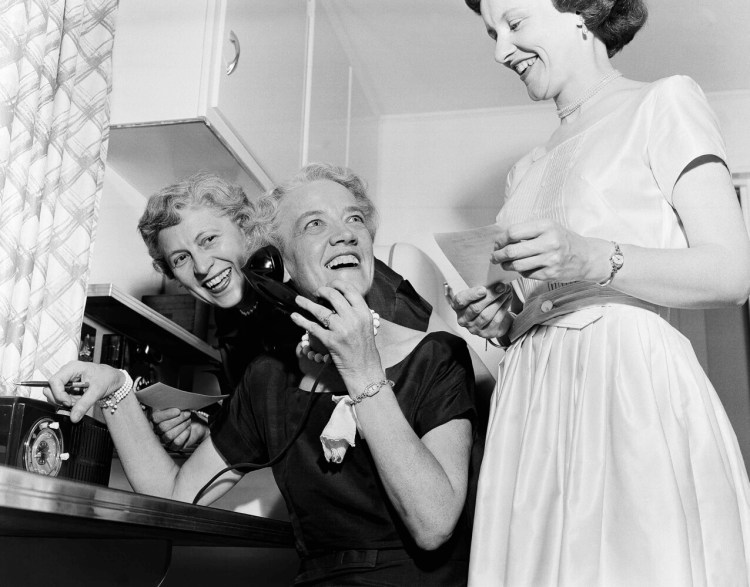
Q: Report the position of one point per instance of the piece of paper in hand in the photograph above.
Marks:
(160, 397)
(469, 252)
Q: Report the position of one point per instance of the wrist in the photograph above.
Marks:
(356, 382)
(616, 261)
(370, 390)
(599, 266)
(113, 399)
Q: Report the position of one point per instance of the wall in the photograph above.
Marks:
(119, 255)
(446, 171)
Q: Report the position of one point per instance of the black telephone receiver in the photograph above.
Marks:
(264, 273)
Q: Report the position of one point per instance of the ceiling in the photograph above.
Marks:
(418, 56)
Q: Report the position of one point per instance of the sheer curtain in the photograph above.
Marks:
(55, 80)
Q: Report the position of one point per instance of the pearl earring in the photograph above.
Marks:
(582, 25)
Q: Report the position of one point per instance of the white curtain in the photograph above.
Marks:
(55, 80)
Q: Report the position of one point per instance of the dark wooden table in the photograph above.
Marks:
(80, 534)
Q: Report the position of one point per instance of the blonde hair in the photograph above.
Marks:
(202, 190)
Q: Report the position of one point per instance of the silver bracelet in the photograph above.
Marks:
(371, 390)
(110, 402)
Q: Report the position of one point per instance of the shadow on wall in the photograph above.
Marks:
(485, 190)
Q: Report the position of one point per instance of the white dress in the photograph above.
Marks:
(609, 458)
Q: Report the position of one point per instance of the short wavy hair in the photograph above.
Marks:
(265, 221)
(202, 190)
(615, 22)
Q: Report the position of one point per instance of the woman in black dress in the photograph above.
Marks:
(375, 481)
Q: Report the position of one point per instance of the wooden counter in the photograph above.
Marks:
(92, 535)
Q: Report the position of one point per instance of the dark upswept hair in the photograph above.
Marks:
(264, 228)
(202, 190)
(615, 22)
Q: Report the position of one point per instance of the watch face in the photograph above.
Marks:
(618, 259)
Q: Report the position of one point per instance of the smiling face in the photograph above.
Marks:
(323, 230)
(206, 252)
(541, 45)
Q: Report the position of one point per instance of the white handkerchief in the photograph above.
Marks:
(341, 430)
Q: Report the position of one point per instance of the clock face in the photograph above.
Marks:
(43, 448)
(618, 260)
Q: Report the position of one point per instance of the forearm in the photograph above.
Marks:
(147, 465)
(704, 276)
(715, 270)
(427, 500)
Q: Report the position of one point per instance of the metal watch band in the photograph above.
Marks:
(616, 260)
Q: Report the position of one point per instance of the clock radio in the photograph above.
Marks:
(34, 436)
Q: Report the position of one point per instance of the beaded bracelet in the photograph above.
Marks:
(110, 402)
(371, 390)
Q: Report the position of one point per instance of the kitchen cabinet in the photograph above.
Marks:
(237, 66)
(364, 125)
(168, 353)
(111, 307)
(262, 101)
(293, 95)
(327, 129)
(341, 126)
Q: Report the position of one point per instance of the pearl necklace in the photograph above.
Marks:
(588, 94)
(320, 357)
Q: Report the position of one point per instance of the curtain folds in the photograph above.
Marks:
(55, 80)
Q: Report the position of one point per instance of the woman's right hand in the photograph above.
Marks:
(177, 429)
(483, 312)
(349, 335)
(103, 380)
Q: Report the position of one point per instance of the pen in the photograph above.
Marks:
(70, 387)
(448, 290)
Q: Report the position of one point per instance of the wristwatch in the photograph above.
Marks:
(616, 260)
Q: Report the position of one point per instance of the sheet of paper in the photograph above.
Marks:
(160, 396)
(469, 252)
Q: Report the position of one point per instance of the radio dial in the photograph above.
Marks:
(43, 448)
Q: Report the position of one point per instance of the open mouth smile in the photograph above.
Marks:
(220, 281)
(343, 262)
(521, 67)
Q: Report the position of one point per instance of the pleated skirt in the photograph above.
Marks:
(609, 462)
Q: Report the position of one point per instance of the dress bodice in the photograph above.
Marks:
(614, 179)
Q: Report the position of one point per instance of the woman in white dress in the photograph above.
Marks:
(609, 459)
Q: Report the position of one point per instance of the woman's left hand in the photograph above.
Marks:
(546, 251)
(349, 335)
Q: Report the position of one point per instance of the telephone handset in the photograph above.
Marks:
(264, 273)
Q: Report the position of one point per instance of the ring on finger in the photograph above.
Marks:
(326, 321)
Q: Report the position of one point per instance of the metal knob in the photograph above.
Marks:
(233, 63)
